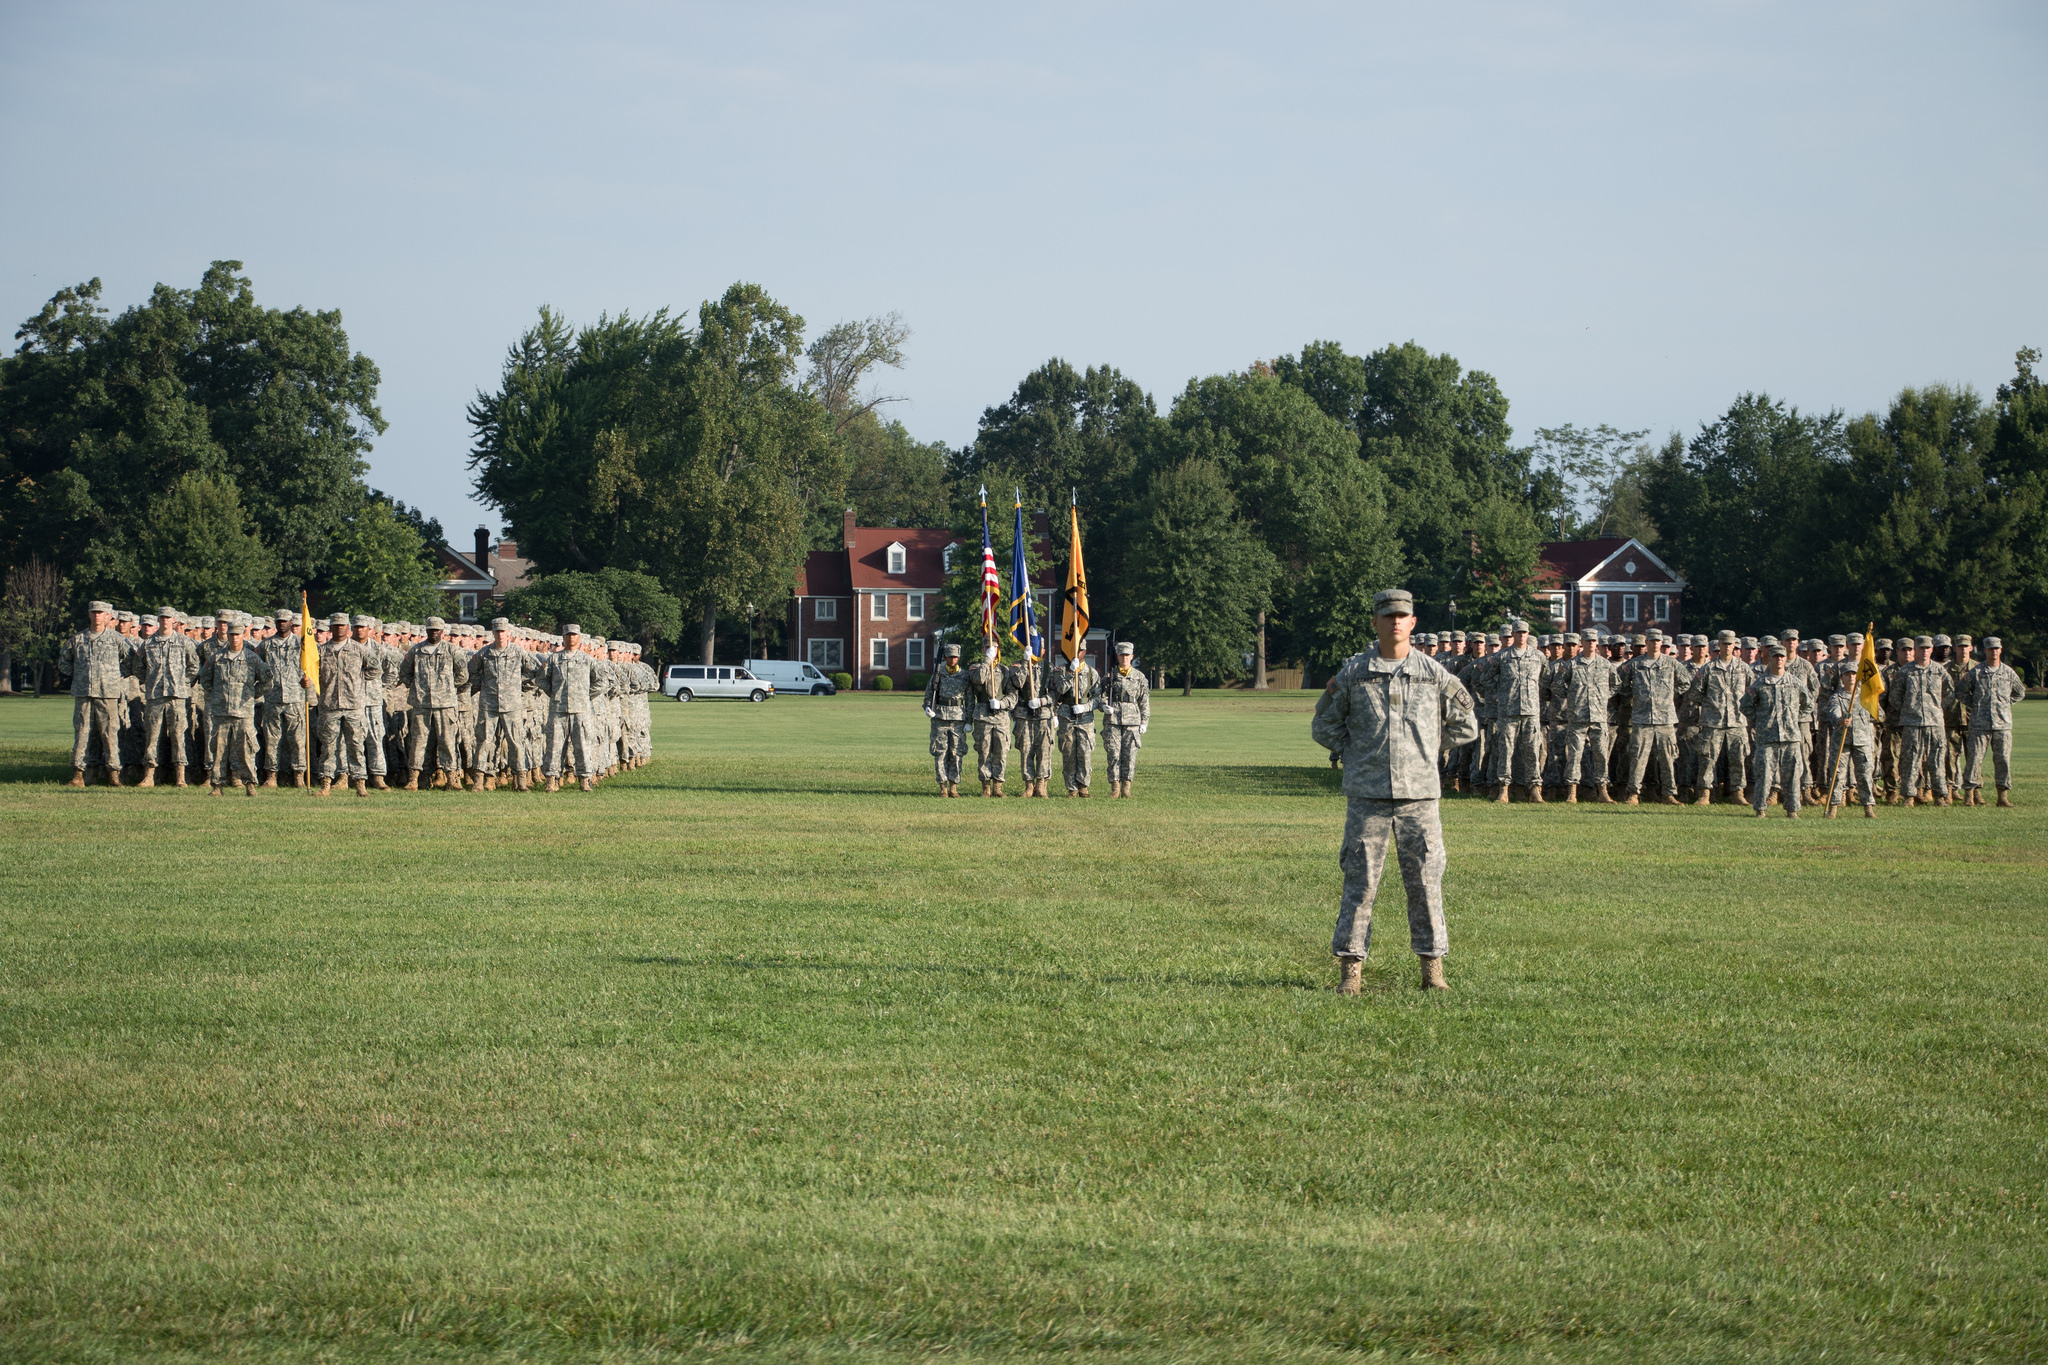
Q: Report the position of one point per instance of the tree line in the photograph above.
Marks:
(666, 474)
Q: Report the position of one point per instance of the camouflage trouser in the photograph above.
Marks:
(163, 724)
(1888, 745)
(1077, 752)
(1956, 760)
(1120, 745)
(1688, 761)
(1585, 754)
(341, 744)
(992, 748)
(1517, 755)
(570, 736)
(1714, 744)
(2000, 744)
(437, 727)
(1920, 760)
(1777, 769)
(373, 739)
(1473, 766)
(501, 744)
(1658, 743)
(233, 749)
(96, 731)
(949, 745)
(1418, 838)
(1860, 755)
(1034, 745)
(1554, 740)
(284, 737)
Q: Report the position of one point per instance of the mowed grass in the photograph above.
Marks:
(766, 1052)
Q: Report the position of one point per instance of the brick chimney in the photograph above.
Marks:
(483, 548)
(849, 530)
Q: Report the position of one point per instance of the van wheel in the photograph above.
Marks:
(757, 695)
(683, 694)
(817, 691)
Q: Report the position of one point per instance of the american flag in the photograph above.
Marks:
(991, 586)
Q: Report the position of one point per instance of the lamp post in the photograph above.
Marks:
(1453, 602)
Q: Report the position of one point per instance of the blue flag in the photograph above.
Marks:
(1023, 616)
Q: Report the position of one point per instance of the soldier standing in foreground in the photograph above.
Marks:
(95, 662)
(1924, 695)
(1717, 690)
(1078, 687)
(570, 677)
(234, 677)
(498, 674)
(1034, 724)
(1652, 680)
(1588, 684)
(1777, 705)
(1992, 688)
(1391, 711)
(170, 665)
(945, 702)
(1126, 714)
(994, 690)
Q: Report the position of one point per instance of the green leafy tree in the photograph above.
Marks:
(1201, 575)
(1504, 570)
(893, 479)
(2017, 465)
(380, 564)
(552, 601)
(199, 550)
(35, 612)
(1581, 470)
(643, 610)
(100, 419)
(1339, 549)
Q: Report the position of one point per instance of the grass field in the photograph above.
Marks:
(765, 1052)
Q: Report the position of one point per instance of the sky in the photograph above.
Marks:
(1626, 213)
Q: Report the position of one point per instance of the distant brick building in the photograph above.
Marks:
(872, 608)
(479, 581)
(1614, 584)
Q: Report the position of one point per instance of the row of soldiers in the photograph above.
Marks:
(225, 698)
(1678, 718)
(1026, 707)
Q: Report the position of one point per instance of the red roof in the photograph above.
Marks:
(1574, 559)
(823, 575)
(924, 564)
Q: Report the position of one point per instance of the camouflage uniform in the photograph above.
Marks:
(1126, 712)
(286, 740)
(1688, 764)
(1556, 715)
(1851, 746)
(1034, 725)
(96, 663)
(1958, 718)
(1389, 719)
(1716, 691)
(437, 673)
(347, 675)
(1924, 695)
(946, 701)
(994, 689)
(1513, 679)
(1589, 686)
(170, 666)
(1653, 681)
(1779, 708)
(571, 676)
(498, 675)
(234, 679)
(1993, 688)
(1078, 689)
(1892, 735)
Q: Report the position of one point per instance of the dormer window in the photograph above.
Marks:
(897, 556)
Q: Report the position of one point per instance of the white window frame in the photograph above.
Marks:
(468, 601)
(825, 609)
(1557, 607)
(1660, 607)
(914, 605)
(899, 558)
(913, 653)
(1599, 606)
(878, 653)
(878, 606)
(1631, 607)
(828, 656)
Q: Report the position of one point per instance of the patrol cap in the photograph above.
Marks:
(436, 623)
(1652, 634)
(1385, 602)
(1125, 647)
(1923, 642)
(595, 640)
(1571, 637)
(1493, 639)
(1726, 637)
(1456, 637)
(148, 619)
(501, 623)
(238, 621)
(1749, 642)
(571, 629)
(1639, 639)
(1963, 640)
(339, 618)
(207, 621)
(1777, 651)
(1884, 644)
(1838, 639)
(1993, 642)
(1941, 639)
(950, 652)
(1853, 638)
(1788, 634)
(365, 621)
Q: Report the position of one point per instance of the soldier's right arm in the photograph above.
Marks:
(1331, 726)
(67, 659)
(405, 669)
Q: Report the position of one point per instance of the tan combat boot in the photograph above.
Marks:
(412, 779)
(583, 785)
(377, 783)
(1834, 811)
(1606, 796)
(1433, 974)
(2005, 798)
(362, 787)
(1629, 800)
(213, 790)
(998, 791)
(1082, 792)
(1705, 797)
(1535, 794)
(554, 784)
(326, 785)
(1500, 795)
(270, 778)
(1571, 795)
(148, 777)
(1667, 799)
(113, 776)
(179, 779)
(1870, 812)
(1350, 973)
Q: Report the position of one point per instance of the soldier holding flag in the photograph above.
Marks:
(1079, 686)
(1035, 723)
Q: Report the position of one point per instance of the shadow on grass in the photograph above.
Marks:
(34, 765)
(943, 969)
(1253, 779)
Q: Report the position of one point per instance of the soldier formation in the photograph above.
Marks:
(1677, 719)
(1026, 707)
(167, 699)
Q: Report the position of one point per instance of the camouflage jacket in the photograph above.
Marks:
(1778, 708)
(97, 662)
(1716, 689)
(993, 688)
(1078, 689)
(945, 695)
(170, 665)
(1127, 699)
(1513, 679)
(235, 680)
(1653, 681)
(1588, 685)
(571, 678)
(436, 673)
(1390, 719)
(281, 652)
(347, 671)
(1839, 703)
(1992, 691)
(498, 674)
(1924, 694)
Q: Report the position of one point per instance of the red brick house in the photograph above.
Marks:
(872, 609)
(1614, 584)
(478, 582)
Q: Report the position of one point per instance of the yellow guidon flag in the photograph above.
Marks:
(1869, 682)
(309, 652)
(1074, 620)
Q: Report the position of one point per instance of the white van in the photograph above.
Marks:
(792, 678)
(687, 682)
